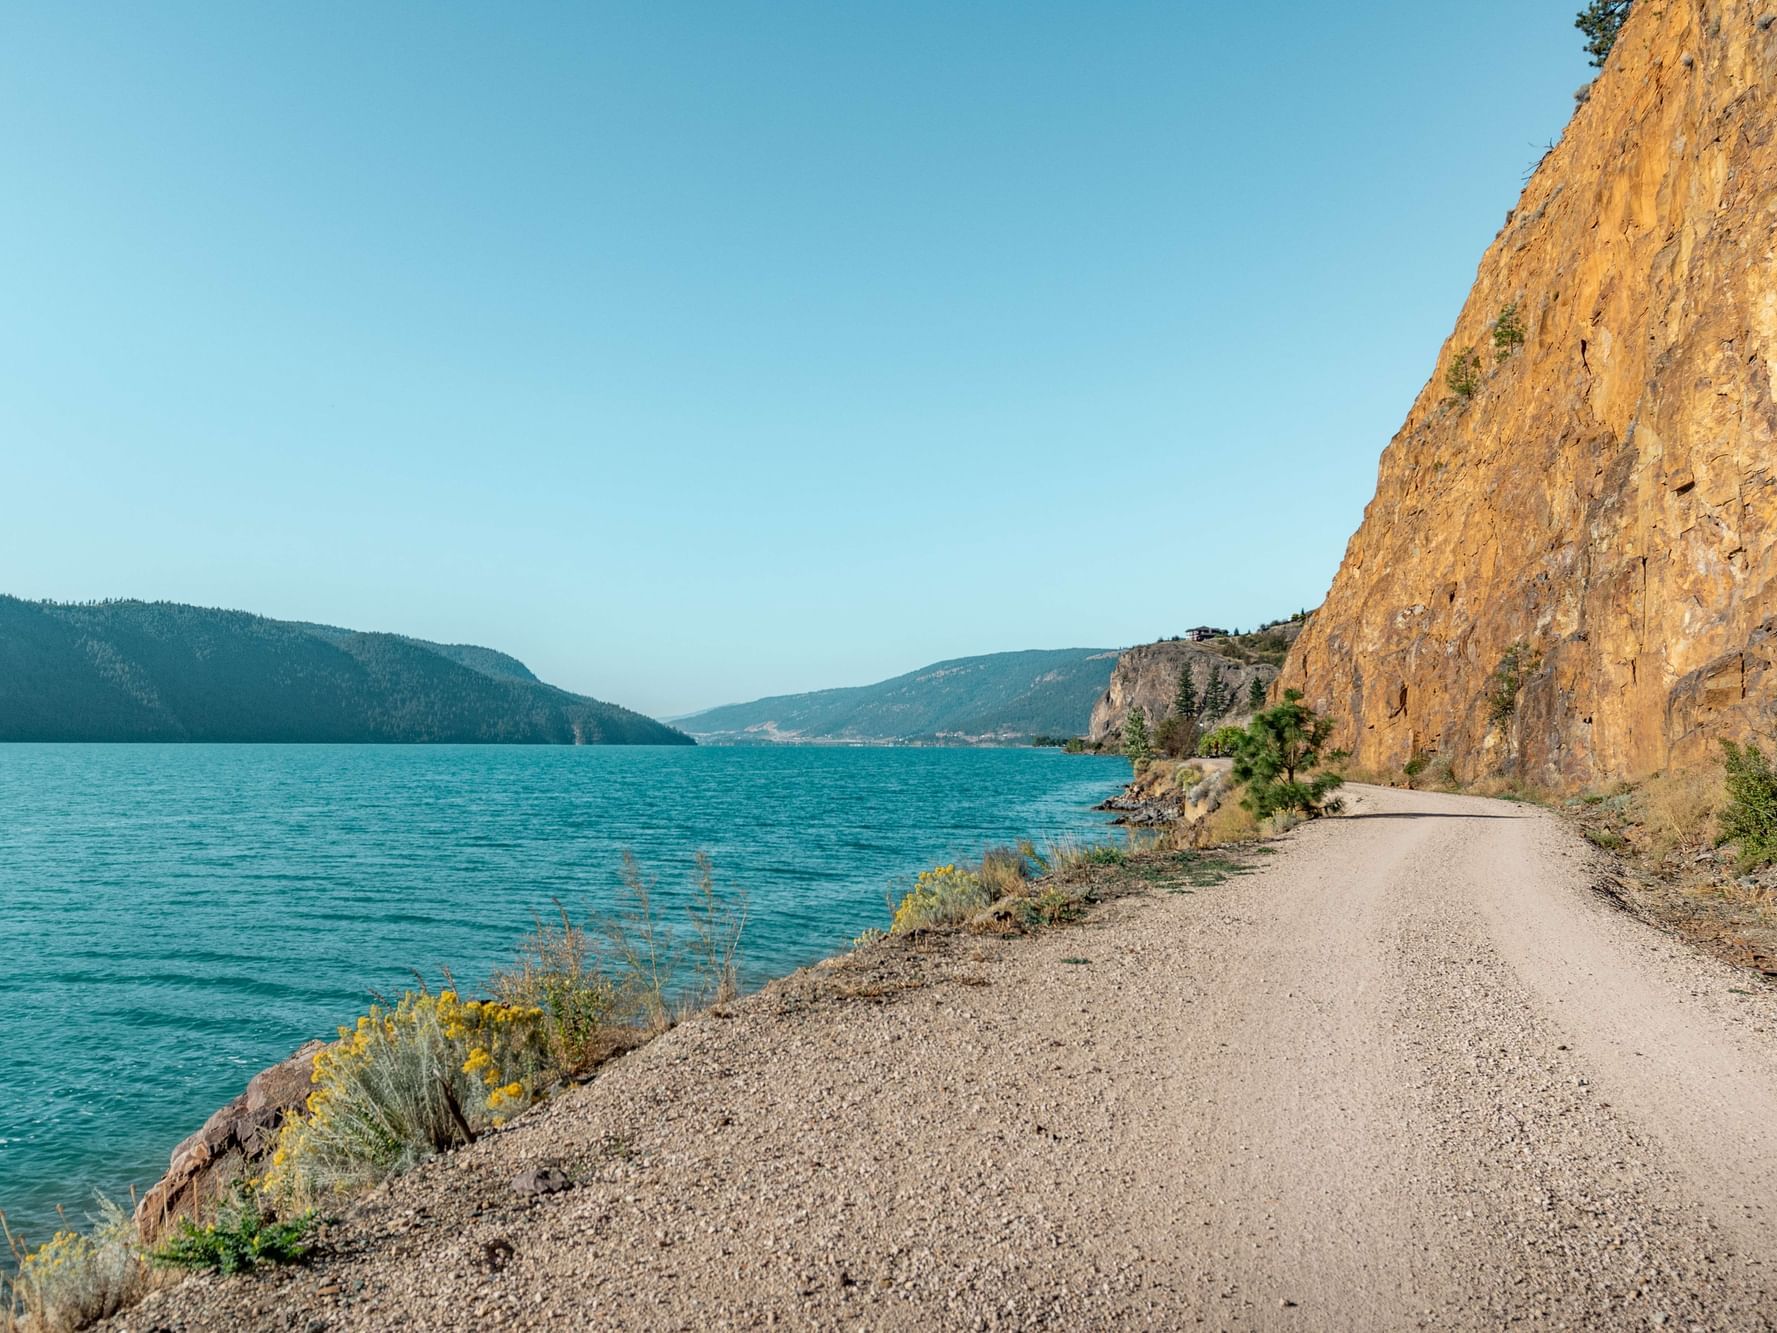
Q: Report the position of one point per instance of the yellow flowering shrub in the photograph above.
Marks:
(404, 1083)
(73, 1280)
(942, 896)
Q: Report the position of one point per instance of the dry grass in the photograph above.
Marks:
(663, 973)
(1006, 870)
(75, 1279)
(1229, 823)
(1679, 812)
(557, 971)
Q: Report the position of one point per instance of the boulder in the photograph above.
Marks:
(232, 1141)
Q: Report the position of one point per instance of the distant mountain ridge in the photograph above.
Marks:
(995, 697)
(162, 671)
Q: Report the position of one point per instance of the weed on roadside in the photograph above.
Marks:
(240, 1239)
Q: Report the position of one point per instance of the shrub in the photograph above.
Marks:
(239, 1240)
(1277, 759)
(1222, 741)
(1176, 735)
(1749, 820)
(943, 896)
(406, 1083)
(73, 1280)
(1416, 764)
(1517, 663)
(1051, 907)
(1105, 855)
(1508, 332)
(1607, 839)
(557, 973)
(1463, 374)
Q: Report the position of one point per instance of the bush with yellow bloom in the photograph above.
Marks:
(407, 1082)
(942, 896)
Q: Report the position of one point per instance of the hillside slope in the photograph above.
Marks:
(1000, 696)
(140, 671)
(1568, 577)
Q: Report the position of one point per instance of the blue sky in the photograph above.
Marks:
(693, 352)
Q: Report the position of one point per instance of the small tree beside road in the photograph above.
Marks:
(1279, 758)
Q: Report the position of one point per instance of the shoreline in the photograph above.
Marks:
(402, 894)
(1167, 1111)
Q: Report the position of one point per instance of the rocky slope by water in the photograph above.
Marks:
(1568, 576)
(1148, 675)
(158, 671)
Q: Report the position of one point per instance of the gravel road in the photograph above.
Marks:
(1412, 1072)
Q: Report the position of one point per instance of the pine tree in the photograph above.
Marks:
(1279, 758)
(1600, 21)
(1135, 737)
(1184, 703)
(1215, 695)
(1255, 694)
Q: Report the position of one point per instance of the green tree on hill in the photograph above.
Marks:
(1279, 759)
(1215, 695)
(1136, 743)
(1600, 21)
(1255, 694)
(1184, 703)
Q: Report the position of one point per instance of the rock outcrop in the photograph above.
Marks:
(1148, 676)
(1566, 575)
(205, 1166)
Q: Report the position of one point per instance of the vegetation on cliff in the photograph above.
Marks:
(1600, 21)
(158, 671)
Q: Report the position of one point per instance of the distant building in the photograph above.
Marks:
(1203, 632)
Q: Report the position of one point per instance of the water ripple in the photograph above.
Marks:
(175, 917)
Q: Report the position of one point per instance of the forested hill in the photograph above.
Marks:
(157, 671)
(997, 697)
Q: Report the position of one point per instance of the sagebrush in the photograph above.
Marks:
(75, 1278)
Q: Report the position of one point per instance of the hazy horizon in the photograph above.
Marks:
(696, 356)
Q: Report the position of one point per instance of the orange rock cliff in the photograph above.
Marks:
(1567, 576)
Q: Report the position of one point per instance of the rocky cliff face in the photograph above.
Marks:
(1148, 676)
(1567, 576)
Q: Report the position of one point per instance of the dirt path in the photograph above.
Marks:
(1411, 1073)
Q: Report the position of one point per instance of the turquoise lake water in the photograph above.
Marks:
(175, 918)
